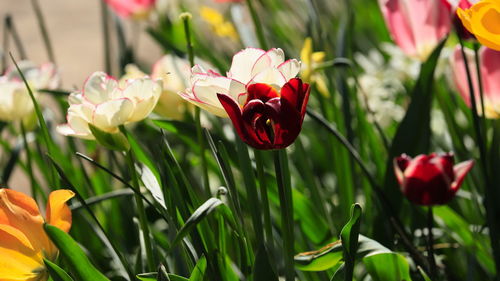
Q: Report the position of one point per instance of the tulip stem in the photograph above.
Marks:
(490, 188)
(43, 30)
(105, 36)
(257, 24)
(286, 206)
(259, 163)
(140, 206)
(430, 243)
(480, 82)
(186, 17)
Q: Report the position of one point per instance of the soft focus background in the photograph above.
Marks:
(76, 34)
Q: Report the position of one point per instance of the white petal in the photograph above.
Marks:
(111, 114)
(271, 58)
(15, 102)
(242, 64)
(100, 87)
(289, 69)
(271, 76)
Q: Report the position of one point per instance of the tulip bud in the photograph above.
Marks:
(430, 179)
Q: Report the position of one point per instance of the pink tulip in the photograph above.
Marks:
(131, 8)
(417, 26)
(490, 74)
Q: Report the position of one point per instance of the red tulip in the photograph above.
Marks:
(430, 179)
(268, 119)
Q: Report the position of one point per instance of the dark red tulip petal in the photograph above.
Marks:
(400, 165)
(261, 91)
(269, 120)
(297, 94)
(288, 125)
(234, 112)
(461, 170)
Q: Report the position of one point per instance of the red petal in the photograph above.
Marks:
(461, 171)
(261, 91)
(234, 112)
(400, 165)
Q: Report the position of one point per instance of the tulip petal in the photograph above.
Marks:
(21, 212)
(58, 212)
(461, 170)
(270, 59)
(100, 87)
(241, 64)
(15, 265)
(400, 165)
(261, 91)
(111, 114)
(289, 69)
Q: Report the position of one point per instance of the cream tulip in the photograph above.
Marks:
(15, 101)
(107, 106)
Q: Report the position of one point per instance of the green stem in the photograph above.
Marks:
(430, 243)
(477, 60)
(140, 207)
(490, 188)
(286, 206)
(258, 25)
(43, 30)
(29, 165)
(186, 17)
(105, 36)
(259, 163)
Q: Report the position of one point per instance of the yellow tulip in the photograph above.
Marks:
(23, 242)
(310, 61)
(219, 25)
(483, 20)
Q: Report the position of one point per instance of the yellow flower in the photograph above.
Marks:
(310, 61)
(483, 20)
(219, 26)
(23, 242)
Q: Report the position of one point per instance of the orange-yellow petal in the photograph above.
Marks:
(21, 212)
(58, 213)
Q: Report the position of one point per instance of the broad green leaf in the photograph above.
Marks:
(387, 267)
(459, 230)
(57, 273)
(339, 274)
(331, 255)
(314, 226)
(116, 141)
(262, 267)
(349, 237)
(74, 256)
(199, 270)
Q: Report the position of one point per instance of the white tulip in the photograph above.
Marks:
(106, 106)
(249, 66)
(15, 102)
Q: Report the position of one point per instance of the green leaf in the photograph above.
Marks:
(153, 276)
(57, 273)
(199, 270)
(387, 267)
(349, 237)
(72, 254)
(459, 230)
(203, 211)
(331, 255)
(262, 268)
(423, 274)
(116, 141)
(314, 227)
